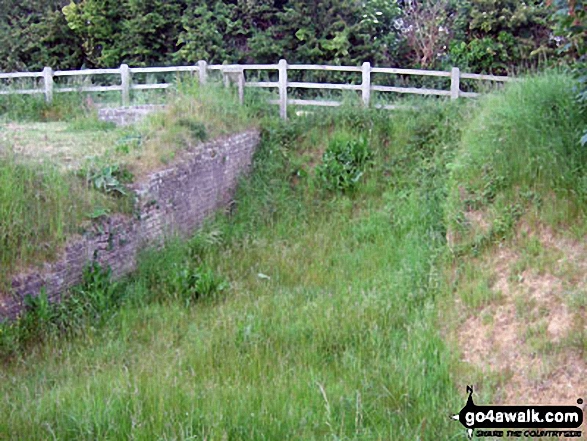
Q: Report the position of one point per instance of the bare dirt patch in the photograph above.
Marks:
(534, 336)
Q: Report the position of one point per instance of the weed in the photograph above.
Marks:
(110, 179)
(344, 163)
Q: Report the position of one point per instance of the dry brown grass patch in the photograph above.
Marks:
(534, 336)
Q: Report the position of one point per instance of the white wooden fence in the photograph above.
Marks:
(236, 74)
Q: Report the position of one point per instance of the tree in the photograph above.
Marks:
(427, 27)
(136, 32)
(34, 34)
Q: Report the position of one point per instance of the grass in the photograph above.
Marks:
(312, 311)
(520, 152)
(39, 208)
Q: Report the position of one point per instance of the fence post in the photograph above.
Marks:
(125, 83)
(225, 78)
(203, 71)
(366, 85)
(241, 86)
(282, 89)
(48, 83)
(455, 83)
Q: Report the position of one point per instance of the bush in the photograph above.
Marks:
(344, 162)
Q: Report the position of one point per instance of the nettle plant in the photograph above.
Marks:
(344, 162)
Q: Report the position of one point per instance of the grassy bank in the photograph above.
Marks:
(324, 307)
(61, 167)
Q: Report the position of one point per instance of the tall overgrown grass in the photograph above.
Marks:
(322, 321)
(521, 151)
(39, 208)
(308, 312)
(528, 137)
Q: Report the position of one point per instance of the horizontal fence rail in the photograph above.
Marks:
(235, 74)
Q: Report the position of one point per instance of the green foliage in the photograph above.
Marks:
(99, 25)
(338, 340)
(519, 150)
(540, 149)
(493, 36)
(207, 32)
(344, 163)
(331, 327)
(496, 36)
(177, 274)
(65, 106)
(90, 302)
(110, 179)
(95, 300)
(197, 129)
(572, 26)
(39, 207)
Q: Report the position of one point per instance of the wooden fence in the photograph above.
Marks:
(236, 74)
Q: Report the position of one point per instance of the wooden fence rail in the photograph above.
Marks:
(236, 74)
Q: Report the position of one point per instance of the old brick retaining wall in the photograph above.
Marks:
(173, 200)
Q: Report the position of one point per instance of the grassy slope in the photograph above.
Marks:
(517, 222)
(330, 327)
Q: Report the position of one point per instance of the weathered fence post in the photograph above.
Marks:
(225, 78)
(241, 85)
(125, 84)
(203, 71)
(282, 66)
(48, 83)
(366, 85)
(455, 83)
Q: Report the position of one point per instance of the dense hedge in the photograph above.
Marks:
(480, 35)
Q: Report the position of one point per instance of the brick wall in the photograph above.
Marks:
(173, 200)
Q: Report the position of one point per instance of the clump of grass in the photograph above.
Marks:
(97, 298)
(193, 114)
(344, 162)
(65, 106)
(39, 207)
(525, 138)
